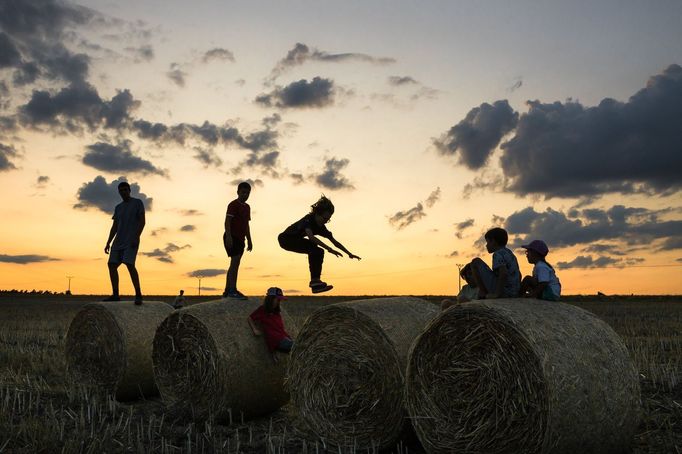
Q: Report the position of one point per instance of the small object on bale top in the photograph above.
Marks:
(347, 368)
(208, 363)
(522, 375)
(108, 347)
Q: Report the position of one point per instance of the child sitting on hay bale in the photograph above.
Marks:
(267, 320)
(543, 284)
(504, 279)
(468, 292)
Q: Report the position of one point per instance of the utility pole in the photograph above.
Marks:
(68, 291)
(459, 275)
(200, 278)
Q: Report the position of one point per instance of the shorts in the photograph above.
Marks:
(285, 345)
(237, 247)
(126, 255)
(548, 294)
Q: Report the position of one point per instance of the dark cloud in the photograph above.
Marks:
(104, 196)
(599, 248)
(9, 55)
(331, 177)
(302, 53)
(188, 228)
(206, 272)
(144, 52)
(207, 157)
(625, 226)
(165, 254)
(191, 212)
(159, 231)
(476, 137)
(432, 198)
(6, 153)
(77, 106)
(176, 75)
(569, 150)
(117, 159)
(254, 183)
(453, 254)
(401, 80)
(217, 54)
(41, 181)
(586, 261)
(317, 93)
(25, 259)
(37, 30)
(402, 219)
(462, 226)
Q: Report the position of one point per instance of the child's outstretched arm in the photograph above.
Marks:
(254, 328)
(343, 248)
(311, 236)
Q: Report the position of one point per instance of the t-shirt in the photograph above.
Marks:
(297, 229)
(240, 215)
(179, 302)
(128, 215)
(504, 257)
(545, 273)
(272, 326)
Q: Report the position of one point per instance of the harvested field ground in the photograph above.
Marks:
(43, 411)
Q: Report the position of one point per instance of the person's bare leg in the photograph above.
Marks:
(232, 272)
(113, 276)
(135, 277)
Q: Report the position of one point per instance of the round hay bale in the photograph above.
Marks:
(208, 363)
(108, 347)
(346, 373)
(521, 375)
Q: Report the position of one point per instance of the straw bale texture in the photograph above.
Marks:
(521, 375)
(109, 347)
(346, 374)
(208, 363)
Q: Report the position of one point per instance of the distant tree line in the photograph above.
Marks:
(32, 292)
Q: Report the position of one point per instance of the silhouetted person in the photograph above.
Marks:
(300, 237)
(237, 231)
(179, 301)
(128, 224)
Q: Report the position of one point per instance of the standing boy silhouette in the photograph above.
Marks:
(236, 231)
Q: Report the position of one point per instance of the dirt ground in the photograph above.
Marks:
(43, 411)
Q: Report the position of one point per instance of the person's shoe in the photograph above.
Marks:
(112, 298)
(236, 294)
(319, 287)
(138, 300)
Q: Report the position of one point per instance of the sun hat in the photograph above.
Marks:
(538, 246)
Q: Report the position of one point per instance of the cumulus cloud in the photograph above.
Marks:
(25, 259)
(206, 272)
(217, 53)
(144, 52)
(462, 226)
(176, 75)
(301, 54)
(624, 226)
(402, 219)
(117, 159)
(401, 80)
(254, 183)
(159, 231)
(188, 228)
(42, 181)
(317, 93)
(473, 139)
(207, 157)
(7, 152)
(587, 261)
(165, 254)
(190, 212)
(104, 196)
(432, 198)
(331, 177)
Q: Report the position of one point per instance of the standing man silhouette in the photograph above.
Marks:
(127, 227)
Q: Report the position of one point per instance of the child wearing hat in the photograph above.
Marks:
(267, 320)
(544, 283)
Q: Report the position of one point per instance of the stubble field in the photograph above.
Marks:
(42, 410)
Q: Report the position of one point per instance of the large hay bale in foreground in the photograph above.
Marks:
(522, 375)
(109, 347)
(346, 374)
(208, 363)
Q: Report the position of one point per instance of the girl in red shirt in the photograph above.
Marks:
(267, 320)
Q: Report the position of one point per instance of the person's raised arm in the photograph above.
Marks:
(315, 240)
(343, 248)
(112, 234)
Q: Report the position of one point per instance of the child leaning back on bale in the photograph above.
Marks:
(267, 320)
(543, 284)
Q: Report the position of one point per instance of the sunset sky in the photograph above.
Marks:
(426, 123)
